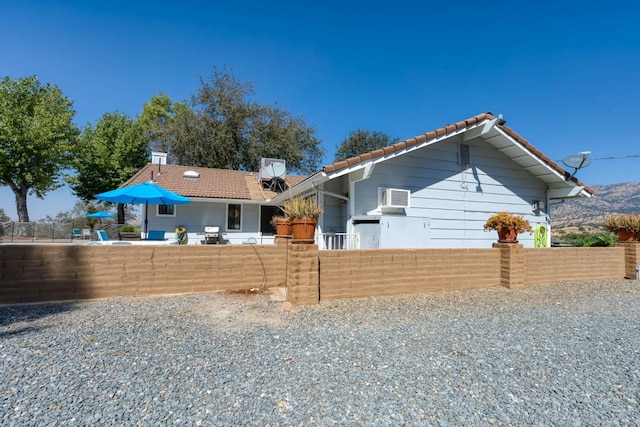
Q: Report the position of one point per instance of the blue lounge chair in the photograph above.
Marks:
(155, 235)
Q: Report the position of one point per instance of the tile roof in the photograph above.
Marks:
(212, 183)
(443, 131)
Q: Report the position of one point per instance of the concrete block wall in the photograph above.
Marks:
(569, 264)
(303, 274)
(37, 273)
(631, 259)
(512, 272)
(363, 273)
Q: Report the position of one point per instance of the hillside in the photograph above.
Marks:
(587, 215)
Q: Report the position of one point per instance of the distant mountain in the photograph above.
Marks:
(588, 214)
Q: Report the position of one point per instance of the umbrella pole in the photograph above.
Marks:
(146, 221)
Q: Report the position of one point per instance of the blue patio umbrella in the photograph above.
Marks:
(99, 215)
(147, 193)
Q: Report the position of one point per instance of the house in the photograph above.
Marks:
(237, 202)
(435, 190)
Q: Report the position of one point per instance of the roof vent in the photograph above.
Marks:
(191, 174)
(463, 155)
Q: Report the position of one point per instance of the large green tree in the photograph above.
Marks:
(157, 119)
(362, 141)
(37, 137)
(223, 127)
(108, 154)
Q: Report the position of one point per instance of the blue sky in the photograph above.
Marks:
(565, 76)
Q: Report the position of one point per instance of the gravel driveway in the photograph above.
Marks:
(563, 354)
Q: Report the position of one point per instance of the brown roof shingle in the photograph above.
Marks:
(212, 183)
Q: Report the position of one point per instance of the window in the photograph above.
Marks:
(234, 214)
(166, 210)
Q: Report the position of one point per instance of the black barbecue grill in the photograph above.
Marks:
(212, 236)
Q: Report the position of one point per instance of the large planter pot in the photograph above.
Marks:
(507, 235)
(283, 228)
(625, 235)
(129, 235)
(304, 229)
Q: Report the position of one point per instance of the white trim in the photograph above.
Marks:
(159, 215)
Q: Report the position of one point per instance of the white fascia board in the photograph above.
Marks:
(567, 193)
(369, 164)
(227, 200)
(479, 129)
(528, 153)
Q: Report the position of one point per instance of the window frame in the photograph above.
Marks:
(231, 206)
(166, 215)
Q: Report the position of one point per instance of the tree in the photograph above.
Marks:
(157, 119)
(107, 155)
(362, 141)
(37, 138)
(222, 127)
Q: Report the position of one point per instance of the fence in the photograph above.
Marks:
(332, 241)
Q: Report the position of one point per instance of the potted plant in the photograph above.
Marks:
(304, 213)
(182, 238)
(626, 226)
(508, 226)
(282, 225)
(129, 232)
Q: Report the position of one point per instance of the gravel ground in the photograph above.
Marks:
(563, 354)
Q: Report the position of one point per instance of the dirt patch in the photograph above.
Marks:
(246, 309)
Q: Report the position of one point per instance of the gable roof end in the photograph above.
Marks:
(447, 129)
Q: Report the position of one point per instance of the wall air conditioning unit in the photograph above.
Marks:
(395, 198)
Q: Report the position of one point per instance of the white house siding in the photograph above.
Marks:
(456, 201)
(199, 214)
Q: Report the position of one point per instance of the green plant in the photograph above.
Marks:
(504, 220)
(629, 222)
(301, 207)
(129, 229)
(602, 239)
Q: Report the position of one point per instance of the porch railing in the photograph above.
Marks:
(333, 241)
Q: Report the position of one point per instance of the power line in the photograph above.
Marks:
(617, 157)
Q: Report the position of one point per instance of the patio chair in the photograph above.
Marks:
(155, 235)
(86, 233)
(103, 239)
(102, 236)
(76, 233)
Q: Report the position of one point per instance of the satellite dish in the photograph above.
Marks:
(276, 169)
(577, 162)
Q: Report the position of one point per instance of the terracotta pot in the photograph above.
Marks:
(304, 228)
(283, 228)
(625, 235)
(507, 235)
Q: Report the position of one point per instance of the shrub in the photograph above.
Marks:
(506, 220)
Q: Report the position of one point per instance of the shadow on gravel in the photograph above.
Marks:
(27, 313)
